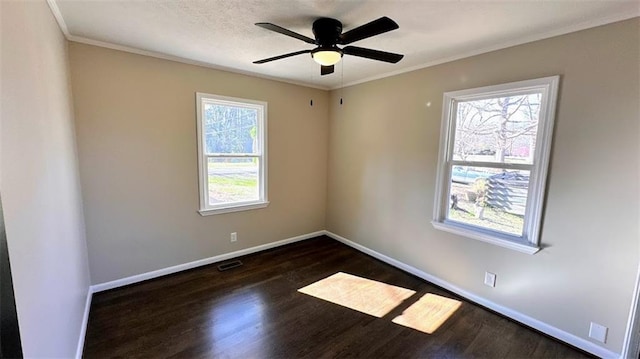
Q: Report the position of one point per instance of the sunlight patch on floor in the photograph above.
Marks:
(357, 293)
(428, 313)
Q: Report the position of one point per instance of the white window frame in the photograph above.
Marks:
(203, 157)
(529, 242)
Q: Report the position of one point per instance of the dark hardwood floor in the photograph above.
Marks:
(255, 311)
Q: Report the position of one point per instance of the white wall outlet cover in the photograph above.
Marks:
(490, 279)
(598, 332)
(234, 236)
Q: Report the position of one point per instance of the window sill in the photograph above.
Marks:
(233, 208)
(519, 246)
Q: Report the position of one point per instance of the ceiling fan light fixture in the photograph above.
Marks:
(327, 56)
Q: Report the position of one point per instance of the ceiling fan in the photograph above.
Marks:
(328, 35)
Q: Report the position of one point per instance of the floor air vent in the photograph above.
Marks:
(229, 265)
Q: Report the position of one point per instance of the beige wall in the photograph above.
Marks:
(136, 131)
(382, 167)
(39, 181)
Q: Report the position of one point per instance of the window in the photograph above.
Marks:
(232, 153)
(492, 168)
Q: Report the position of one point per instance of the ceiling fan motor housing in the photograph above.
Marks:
(327, 31)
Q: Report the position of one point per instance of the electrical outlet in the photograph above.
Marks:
(234, 236)
(490, 279)
(598, 332)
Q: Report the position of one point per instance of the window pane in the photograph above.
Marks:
(501, 129)
(233, 180)
(230, 129)
(490, 198)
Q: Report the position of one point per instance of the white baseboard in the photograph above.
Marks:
(510, 313)
(85, 322)
(181, 267)
(631, 346)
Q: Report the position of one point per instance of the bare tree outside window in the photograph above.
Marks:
(497, 129)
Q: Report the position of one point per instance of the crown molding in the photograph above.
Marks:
(58, 16)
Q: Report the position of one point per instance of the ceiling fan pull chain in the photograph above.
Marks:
(341, 82)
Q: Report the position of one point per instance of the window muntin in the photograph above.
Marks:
(494, 151)
(232, 153)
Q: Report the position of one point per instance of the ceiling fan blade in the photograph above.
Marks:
(372, 28)
(326, 70)
(282, 30)
(372, 54)
(282, 56)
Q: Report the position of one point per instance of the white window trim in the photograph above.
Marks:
(530, 241)
(205, 208)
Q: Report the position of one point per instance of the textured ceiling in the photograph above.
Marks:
(222, 34)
